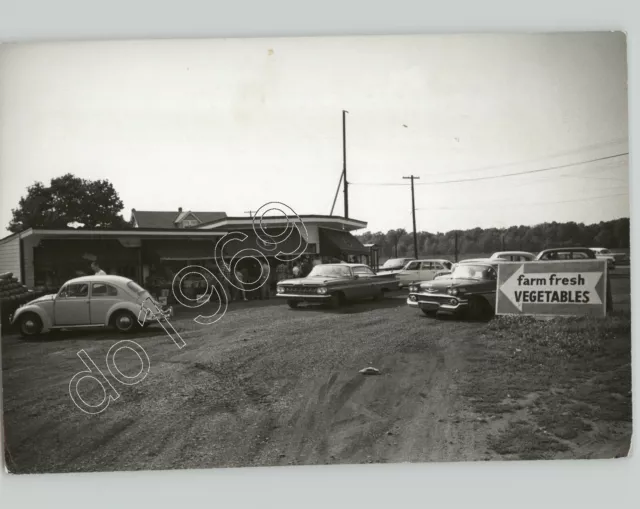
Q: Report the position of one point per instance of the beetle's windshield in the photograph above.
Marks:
(331, 271)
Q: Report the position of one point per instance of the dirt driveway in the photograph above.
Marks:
(264, 386)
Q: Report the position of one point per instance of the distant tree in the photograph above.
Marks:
(609, 234)
(393, 237)
(69, 200)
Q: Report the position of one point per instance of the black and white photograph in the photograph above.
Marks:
(261, 252)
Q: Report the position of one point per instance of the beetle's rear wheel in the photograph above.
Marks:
(124, 321)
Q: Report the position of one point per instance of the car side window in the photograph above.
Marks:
(580, 256)
(427, 266)
(103, 290)
(77, 290)
(438, 266)
(363, 272)
(413, 266)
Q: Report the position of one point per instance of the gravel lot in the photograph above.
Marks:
(265, 385)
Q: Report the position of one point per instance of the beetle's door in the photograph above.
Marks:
(71, 306)
(103, 297)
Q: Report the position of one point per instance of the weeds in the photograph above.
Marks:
(564, 336)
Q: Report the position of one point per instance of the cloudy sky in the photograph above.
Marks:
(227, 125)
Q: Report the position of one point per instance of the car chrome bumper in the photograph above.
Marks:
(438, 305)
(307, 296)
(158, 314)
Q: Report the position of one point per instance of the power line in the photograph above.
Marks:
(501, 205)
(557, 154)
(528, 171)
(491, 177)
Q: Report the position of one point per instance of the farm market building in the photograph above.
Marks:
(161, 243)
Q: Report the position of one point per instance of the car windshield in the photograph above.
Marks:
(332, 271)
(473, 272)
(395, 262)
(604, 251)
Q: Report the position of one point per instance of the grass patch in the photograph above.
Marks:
(564, 336)
(556, 376)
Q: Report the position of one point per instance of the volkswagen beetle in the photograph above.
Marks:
(90, 302)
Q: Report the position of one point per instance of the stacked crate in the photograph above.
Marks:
(12, 295)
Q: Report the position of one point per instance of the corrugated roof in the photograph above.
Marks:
(166, 219)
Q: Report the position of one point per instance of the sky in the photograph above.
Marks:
(230, 124)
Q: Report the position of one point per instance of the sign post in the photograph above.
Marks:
(553, 288)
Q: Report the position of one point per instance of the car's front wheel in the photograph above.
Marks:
(124, 321)
(479, 309)
(336, 300)
(30, 325)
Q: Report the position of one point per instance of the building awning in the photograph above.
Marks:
(337, 243)
(183, 251)
(291, 245)
(188, 250)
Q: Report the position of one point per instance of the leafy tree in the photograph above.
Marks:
(67, 200)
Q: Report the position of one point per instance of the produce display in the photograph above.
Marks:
(14, 294)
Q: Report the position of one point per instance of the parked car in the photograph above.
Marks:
(335, 284)
(605, 254)
(447, 272)
(514, 256)
(469, 291)
(574, 253)
(566, 253)
(394, 265)
(421, 270)
(89, 301)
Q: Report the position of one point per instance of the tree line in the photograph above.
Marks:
(398, 243)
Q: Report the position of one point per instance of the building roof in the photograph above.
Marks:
(168, 219)
(332, 222)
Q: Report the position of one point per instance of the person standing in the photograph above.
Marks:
(240, 279)
(296, 270)
(227, 287)
(96, 269)
(281, 272)
(265, 279)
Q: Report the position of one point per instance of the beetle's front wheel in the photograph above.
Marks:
(30, 325)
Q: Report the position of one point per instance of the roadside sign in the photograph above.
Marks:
(553, 288)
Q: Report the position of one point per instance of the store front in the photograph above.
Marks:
(341, 245)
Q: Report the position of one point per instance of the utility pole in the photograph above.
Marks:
(250, 212)
(455, 233)
(413, 209)
(344, 163)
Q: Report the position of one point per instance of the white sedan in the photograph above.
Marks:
(422, 270)
(93, 302)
